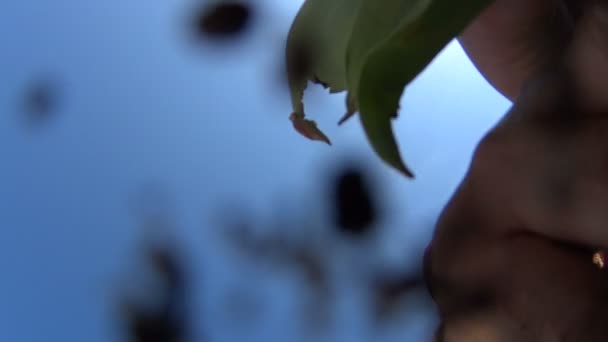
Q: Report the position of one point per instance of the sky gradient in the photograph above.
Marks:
(140, 104)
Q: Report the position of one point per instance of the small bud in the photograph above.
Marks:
(599, 259)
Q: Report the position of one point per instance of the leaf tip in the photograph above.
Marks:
(397, 163)
(406, 171)
(351, 109)
(308, 128)
(346, 116)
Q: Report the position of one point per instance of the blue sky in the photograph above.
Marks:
(138, 105)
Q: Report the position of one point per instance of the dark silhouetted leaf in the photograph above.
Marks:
(223, 20)
(355, 209)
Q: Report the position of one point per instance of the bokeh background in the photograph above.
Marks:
(131, 137)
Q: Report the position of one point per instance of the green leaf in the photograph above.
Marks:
(378, 22)
(316, 46)
(375, 28)
(373, 49)
(398, 60)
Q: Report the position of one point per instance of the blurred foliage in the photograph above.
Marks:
(41, 101)
(355, 210)
(277, 249)
(163, 317)
(222, 20)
